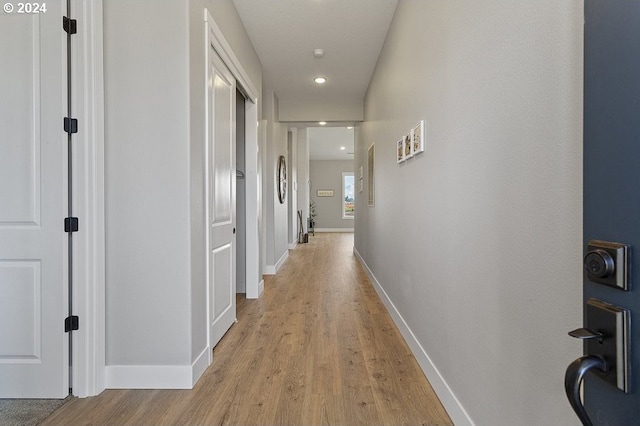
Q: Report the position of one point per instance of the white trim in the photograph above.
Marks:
(270, 270)
(293, 245)
(200, 365)
(88, 370)
(273, 269)
(158, 376)
(454, 408)
(333, 230)
(260, 287)
(262, 163)
(207, 174)
(217, 40)
(150, 377)
(252, 203)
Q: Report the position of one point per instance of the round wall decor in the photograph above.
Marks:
(282, 179)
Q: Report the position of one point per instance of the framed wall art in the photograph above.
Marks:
(408, 146)
(324, 192)
(418, 138)
(371, 160)
(411, 144)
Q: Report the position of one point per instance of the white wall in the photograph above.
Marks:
(327, 174)
(292, 187)
(156, 317)
(275, 213)
(303, 175)
(301, 111)
(146, 66)
(483, 258)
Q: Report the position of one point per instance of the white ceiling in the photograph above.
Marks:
(325, 143)
(286, 32)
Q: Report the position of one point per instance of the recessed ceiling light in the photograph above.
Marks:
(322, 123)
(350, 127)
(320, 80)
(342, 148)
(318, 53)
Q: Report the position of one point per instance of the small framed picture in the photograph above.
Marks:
(400, 154)
(408, 146)
(418, 138)
(371, 157)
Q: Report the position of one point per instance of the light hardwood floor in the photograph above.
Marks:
(318, 348)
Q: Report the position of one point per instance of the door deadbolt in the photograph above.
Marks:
(599, 263)
(607, 263)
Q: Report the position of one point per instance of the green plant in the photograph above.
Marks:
(312, 209)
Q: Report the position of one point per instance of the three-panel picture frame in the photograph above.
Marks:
(411, 144)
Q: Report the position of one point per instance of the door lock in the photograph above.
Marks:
(606, 263)
(599, 264)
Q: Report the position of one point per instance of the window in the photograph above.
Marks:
(348, 195)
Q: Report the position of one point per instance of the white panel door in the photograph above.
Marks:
(33, 284)
(221, 95)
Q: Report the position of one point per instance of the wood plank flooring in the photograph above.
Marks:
(318, 348)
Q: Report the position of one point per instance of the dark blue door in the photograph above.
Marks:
(612, 179)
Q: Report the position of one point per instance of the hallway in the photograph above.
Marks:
(317, 349)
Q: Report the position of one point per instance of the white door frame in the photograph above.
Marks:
(214, 38)
(88, 356)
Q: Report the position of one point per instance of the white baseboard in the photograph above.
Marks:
(200, 365)
(273, 269)
(259, 289)
(157, 376)
(333, 229)
(293, 245)
(456, 411)
(259, 293)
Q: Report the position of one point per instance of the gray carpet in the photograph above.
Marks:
(27, 412)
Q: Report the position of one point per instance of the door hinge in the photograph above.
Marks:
(71, 323)
(69, 25)
(70, 125)
(71, 224)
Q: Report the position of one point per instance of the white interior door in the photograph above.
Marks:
(33, 284)
(221, 95)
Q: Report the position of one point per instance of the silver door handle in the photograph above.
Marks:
(573, 378)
